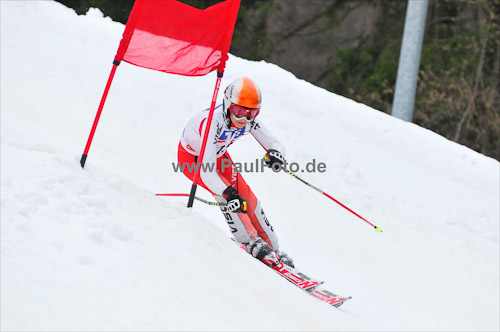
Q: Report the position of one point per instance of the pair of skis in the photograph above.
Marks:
(311, 286)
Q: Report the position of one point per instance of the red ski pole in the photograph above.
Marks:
(378, 229)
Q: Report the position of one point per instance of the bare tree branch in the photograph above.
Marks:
(473, 95)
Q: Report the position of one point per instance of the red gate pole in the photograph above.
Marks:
(205, 137)
(99, 110)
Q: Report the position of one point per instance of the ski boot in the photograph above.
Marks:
(284, 258)
(261, 250)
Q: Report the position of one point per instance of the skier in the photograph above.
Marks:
(237, 116)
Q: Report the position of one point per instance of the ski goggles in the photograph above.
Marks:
(240, 112)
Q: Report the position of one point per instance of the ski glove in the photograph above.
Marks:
(235, 203)
(274, 160)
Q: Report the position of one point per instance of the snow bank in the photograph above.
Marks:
(95, 249)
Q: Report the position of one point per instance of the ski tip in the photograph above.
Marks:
(336, 305)
(378, 229)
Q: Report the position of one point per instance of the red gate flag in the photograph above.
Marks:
(172, 37)
(175, 38)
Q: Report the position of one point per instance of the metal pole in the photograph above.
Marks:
(198, 198)
(409, 60)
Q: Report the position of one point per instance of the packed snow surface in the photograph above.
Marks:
(96, 250)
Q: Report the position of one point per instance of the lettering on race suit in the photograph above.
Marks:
(230, 222)
(222, 148)
(225, 147)
(234, 175)
(227, 135)
(218, 133)
(254, 125)
(230, 134)
(265, 220)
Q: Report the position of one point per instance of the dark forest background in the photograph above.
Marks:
(351, 47)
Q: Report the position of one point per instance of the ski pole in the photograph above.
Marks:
(200, 199)
(378, 229)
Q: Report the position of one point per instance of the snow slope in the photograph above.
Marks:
(96, 250)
